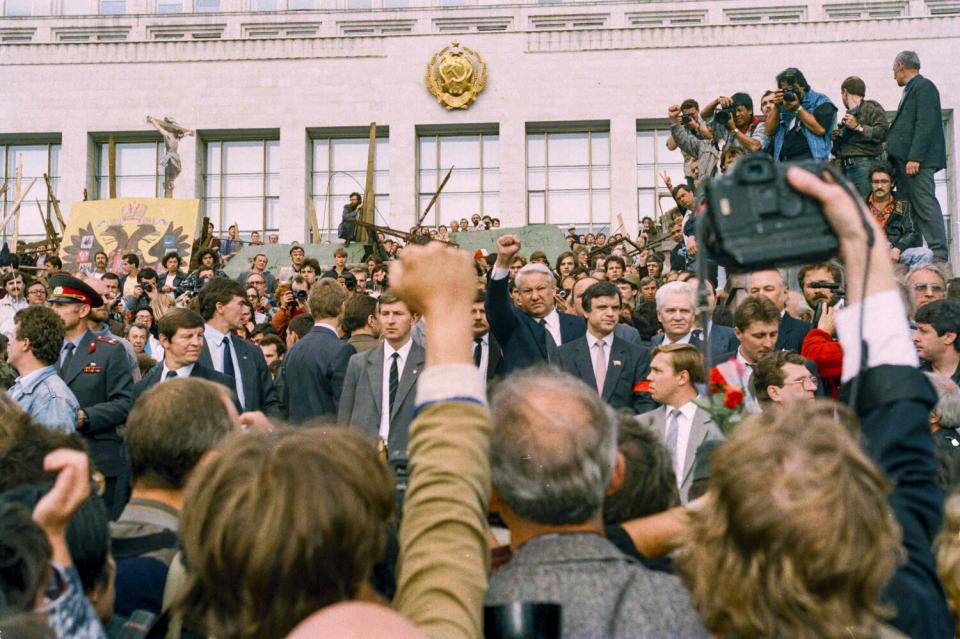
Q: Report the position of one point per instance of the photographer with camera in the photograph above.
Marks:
(732, 121)
(858, 138)
(292, 302)
(803, 123)
(690, 118)
(822, 287)
(208, 267)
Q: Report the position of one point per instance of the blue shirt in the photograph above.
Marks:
(47, 398)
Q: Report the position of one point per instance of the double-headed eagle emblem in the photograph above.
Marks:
(456, 75)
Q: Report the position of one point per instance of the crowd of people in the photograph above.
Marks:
(440, 444)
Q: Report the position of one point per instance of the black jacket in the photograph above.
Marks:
(916, 133)
(792, 332)
(152, 378)
(627, 370)
(259, 391)
(901, 232)
(313, 372)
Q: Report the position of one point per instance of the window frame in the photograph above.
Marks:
(264, 178)
(441, 171)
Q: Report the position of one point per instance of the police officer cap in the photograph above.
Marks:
(67, 288)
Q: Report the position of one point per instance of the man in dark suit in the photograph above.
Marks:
(917, 149)
(222, 304)
(181, 335)
(616, 368)
(676, 310)
(96, 370)
(314, 367)
(529, 335)
(772, 284)
(379, 389)
(487, 354)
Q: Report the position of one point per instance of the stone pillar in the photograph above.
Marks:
(623, 173)
(403, 172)
(292, 210)
(513, 173)
(76, 169)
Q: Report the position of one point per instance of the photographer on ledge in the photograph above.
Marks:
(803, 122)
(690, 118)
(732, 120)
(858, 138)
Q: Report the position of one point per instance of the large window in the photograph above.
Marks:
(17, 8)
(242, 185)
(653, 159)
(36, 160)
(568, 178)
(138, 172)
(339, 169)
(474, 185)
(113, 7)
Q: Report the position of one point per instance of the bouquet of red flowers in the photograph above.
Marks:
(725, 395)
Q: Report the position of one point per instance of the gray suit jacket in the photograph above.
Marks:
(603, 593)
(703, 428)
(362, 398)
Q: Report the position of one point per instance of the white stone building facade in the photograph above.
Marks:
(569, 130)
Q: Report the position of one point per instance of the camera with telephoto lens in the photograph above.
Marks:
(147, 288)
(724, 115)
(686, 118)
(754, 219)
(790, 95)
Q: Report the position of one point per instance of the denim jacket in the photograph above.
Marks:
(47, 398)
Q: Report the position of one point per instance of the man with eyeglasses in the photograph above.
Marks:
(781, 378)
(926, 283)
(896, 217)
(259, 276)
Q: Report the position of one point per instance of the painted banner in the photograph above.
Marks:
(148, 227)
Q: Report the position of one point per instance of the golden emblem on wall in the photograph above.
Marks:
(456, 75)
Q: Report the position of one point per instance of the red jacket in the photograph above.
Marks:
(827, 354)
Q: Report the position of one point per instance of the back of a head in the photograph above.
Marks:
(166, 434)
(25, 554)
(649, 483)
(553, 447)
(358, 309)
(796, 538)
(301, 325)
(948, 552)
(326, 299)
(24, 443)
(292, 520)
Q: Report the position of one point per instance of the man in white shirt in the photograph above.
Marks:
(379, 386)
(487, 355)
(675, 371)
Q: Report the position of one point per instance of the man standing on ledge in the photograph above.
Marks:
(351, 213)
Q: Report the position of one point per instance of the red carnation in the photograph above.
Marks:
(733, 398)
(716, 377)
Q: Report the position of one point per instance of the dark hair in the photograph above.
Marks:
(110, 275)
(794, 74)
(854, 86)
(103, 253)
(56, 261)
(169, 256)
(9, 276)
(166, 435)
(600, 289)
(177, 318)
(689, 103)
(358, 309)
(768, 371)
(312, 263)
(271, 339)
(359, 197)
(147, 274)
(44, 328)
(132, 259)
(296, 247)
(882, 167)
(678, 188)
(649, 483)
(205, 252)
(26, 554)
(943, 316)
(218, 290)
(755, 308)
(301, 324)
(729, 153)
(742, 99)
(615, 259)
(835, 271)
(88, 537)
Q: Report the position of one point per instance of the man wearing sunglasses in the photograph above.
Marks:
(926, 283)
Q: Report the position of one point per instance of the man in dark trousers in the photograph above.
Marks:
(351, 213)
(601, 360)
(96, 369)
(917, 149)
(222, 304)
(181, 335)
(314, 368)
(531, 334)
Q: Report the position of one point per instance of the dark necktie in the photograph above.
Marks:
(227, 359)
(68, 349)
(171, 374)
(394, 379)
(477, 351)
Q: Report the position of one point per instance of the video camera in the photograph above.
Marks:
(755, 220)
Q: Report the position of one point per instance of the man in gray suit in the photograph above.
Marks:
(379, 387)
(674, 372)
(553, 457)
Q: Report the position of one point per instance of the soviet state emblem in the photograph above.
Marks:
(456, 75)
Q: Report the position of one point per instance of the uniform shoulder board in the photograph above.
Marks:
(107, 340)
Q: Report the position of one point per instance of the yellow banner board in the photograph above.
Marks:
(147, 227)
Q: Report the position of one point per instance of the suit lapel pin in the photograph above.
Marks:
(617, 362)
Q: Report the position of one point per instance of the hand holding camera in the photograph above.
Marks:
(850, 120)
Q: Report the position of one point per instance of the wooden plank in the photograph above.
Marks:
(17, 185)
(314, 226)
(435, 196)
(56, 203)
(368, 208)
(16, 205)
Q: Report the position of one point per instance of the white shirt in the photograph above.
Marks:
(683, 340)
(607, 345)
(153, 348)
(553, 319)
(684, 426)
(214, 339)
(484, 353)
(388, 351)
(750, 405)
(328, 327)
(183, 371)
